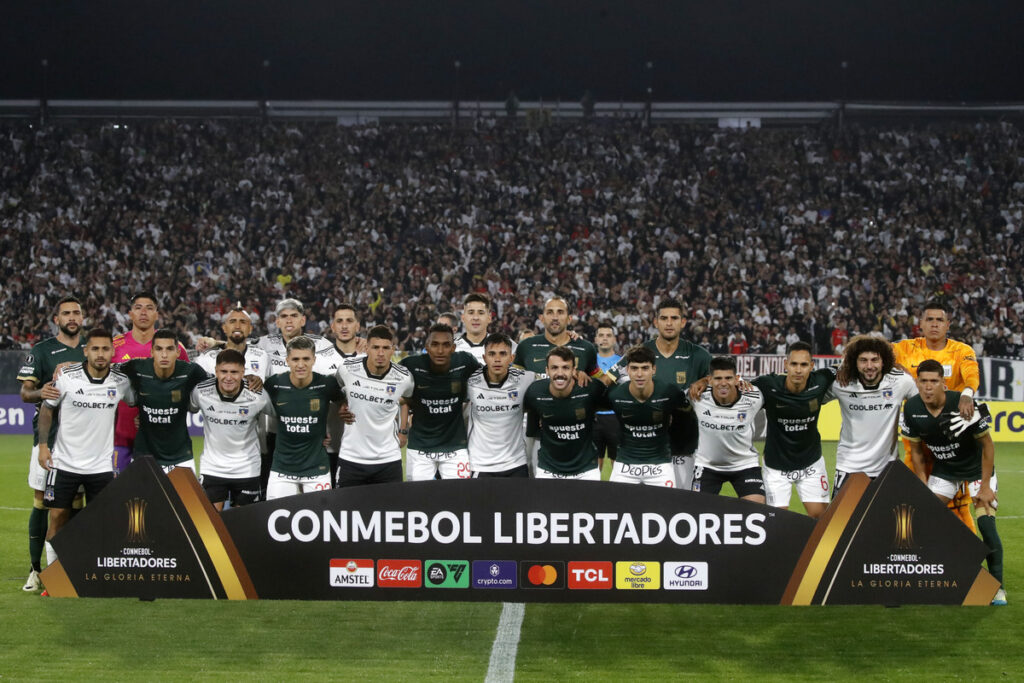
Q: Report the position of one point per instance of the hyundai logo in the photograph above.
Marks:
(686, 571)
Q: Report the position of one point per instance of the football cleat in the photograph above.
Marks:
(1000, 598)
(32, 584)
(44, 594)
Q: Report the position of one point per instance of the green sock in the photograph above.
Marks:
(38, 520)
(987, 527)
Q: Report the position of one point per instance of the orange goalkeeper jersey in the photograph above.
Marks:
(958, 361)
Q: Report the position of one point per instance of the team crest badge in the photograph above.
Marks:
(314, 404)
(741, 416)
(887, 393)
(581, 413)
(391, 388)
(111, 393)
(657, 416)
(243, 411)
(175, 395)
(812, 405)
(456, 387)
(681, 377)
(513, 394)
(254, 365)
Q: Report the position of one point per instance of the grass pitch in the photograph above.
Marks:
(86, 639)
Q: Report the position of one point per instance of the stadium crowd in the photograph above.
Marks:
(769, 235)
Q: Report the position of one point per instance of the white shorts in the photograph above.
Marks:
(661, 474)
(187, 464)
(589, 475)
(948, 489)
(281, 485)
(683, 466)
(811, 484)
(421, 466)
(36, 473)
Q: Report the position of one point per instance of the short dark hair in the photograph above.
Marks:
(441, 328)
(606, 323)
(931, 365)
(799, 346)
(66, 300)
(165, 333)
(670, 303)
(727, 363)
(347, 306)
(477, 297)
(498, 338)
(146, 294)
(451, 316)
(640, 354)
(937, 305)
(301, 343)
(231, 356)
(562, 352)
(98, 333)
(381, 332)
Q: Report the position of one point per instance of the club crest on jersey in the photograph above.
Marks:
(175, 395)
(314, 404)
(513, 394)
(812, 405)
(657, 415)
(254, 365)
(741, 416)
(243, 411)
(111, 393)
(581, 413)
(391, 388)
(887, 393)
(456, 387)
(681, 377)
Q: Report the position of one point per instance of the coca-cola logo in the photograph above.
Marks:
(399, 573)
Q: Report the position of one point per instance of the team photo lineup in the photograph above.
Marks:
(294, 412)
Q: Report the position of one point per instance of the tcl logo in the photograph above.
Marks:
(590, 575)
(398, 573)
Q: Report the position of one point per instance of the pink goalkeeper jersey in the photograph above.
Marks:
(125, 348)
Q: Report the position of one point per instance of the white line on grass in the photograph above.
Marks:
(502, 668)
(2, 507)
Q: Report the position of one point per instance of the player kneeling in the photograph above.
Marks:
(725, 452)
(644, 407)
(230, 463)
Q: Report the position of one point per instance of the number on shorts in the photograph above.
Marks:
(824, 482)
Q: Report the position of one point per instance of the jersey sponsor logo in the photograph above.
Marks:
(590, 575)
(686, 576)
(638, 575)
(494, 574)
(542, 575)
(399, 573)
(446, 574)
(347, 573)
(314, 404)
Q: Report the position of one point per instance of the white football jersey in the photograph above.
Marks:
(496, 427)
(726, 439)
(231, 448)
(256, 361)
(277, 359)
(375, 401)
(85, 433)
(463, 344)
(869, 435)
(327, 363)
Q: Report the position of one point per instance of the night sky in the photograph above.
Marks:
(968, 50)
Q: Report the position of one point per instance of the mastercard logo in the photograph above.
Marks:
(542, 575)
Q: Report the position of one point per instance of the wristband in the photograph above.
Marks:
(968, 392)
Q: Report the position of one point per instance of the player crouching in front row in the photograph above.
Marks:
(964, 454)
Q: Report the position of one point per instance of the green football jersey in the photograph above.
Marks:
(566, 426)
(39, 367)
(301, 423)
(689, 362)
(793, 441)
(645, 424)
(163, 409)
(955, 459)
(436, 403)
(532, 355)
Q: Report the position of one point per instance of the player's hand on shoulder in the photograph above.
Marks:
(582, 378)
(746, 386)
(255, 383)
(966, 407)
(697, 388)
(361, 345)
(49, 391)
(345, 414)
(206, 343)
(574, 335)
(59, 370)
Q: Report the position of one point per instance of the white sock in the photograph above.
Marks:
(51, 554)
